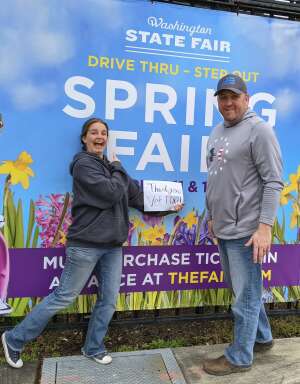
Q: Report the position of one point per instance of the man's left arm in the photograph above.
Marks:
(266, 156)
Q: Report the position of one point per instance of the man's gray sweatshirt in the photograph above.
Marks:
(244, 177)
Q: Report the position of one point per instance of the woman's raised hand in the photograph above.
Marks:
(114, 157)
(178, 207)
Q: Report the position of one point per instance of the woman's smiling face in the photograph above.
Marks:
(96, 138)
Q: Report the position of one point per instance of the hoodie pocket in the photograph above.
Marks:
(106, 228)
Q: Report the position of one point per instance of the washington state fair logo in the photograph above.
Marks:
(161, 23)
(230, 80)
(176, 35)
(217, 152)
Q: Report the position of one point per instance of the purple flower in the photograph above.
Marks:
(152, 220)
(54, 219)
(166, 238)
(205, 237)
(184, 235)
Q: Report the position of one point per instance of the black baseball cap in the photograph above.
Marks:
(232, 83)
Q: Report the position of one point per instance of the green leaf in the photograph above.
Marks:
(212, 297)
(20, 306)
(30, 223)
(283, 221)
(220, 296)
(7, 235)
(35, 237)
(19, 239)
(11, 215)
(276, 293)
(6, 230)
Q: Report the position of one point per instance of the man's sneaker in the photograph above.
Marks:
(4, 308)
(263, 347)
(12, 357)
(102, 358)
(221, 367)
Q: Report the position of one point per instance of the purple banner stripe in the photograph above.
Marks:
(35, 272)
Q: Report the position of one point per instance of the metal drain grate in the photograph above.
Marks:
(157, 366)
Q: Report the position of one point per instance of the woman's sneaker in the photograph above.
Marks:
(102, 358)
(12, 357)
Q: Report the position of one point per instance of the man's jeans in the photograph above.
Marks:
(80, 263)
(250, 319)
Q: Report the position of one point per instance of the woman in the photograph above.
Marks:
(102, 193)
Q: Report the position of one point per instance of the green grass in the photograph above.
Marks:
(150, 336)
(160, 343)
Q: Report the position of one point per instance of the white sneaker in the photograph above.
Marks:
(101, 358)
(4, 308)
(12, 357)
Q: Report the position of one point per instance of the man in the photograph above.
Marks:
(243, 189)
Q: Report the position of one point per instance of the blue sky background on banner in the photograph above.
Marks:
(43, 44)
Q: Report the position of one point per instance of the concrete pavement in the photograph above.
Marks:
(280, 365)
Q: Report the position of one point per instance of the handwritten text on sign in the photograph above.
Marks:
(162, 195)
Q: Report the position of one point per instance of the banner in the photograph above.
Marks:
(150, 70)
(162, 268)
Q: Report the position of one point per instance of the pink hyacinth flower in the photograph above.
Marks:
(4, 267)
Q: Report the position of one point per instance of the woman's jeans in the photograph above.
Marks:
(80, 263)
(250, 319)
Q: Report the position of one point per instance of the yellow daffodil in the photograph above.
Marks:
(147, 234)
(286, 193)
(154, 234)
(137, 222)
(160, 231)
(63, 237)
(295, 215)
(18, 170)
(190, 219)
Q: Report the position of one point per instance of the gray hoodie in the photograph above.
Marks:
(244, 177)
(102, 192)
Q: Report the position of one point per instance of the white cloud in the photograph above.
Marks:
(40, 35)
(286, 101)
(35, 36)
(50, 48)
(285, 40)
(278, 39)
(28, 95)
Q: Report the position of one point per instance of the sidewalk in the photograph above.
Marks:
(281, 365)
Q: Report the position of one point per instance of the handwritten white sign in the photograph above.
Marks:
(162, 195)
